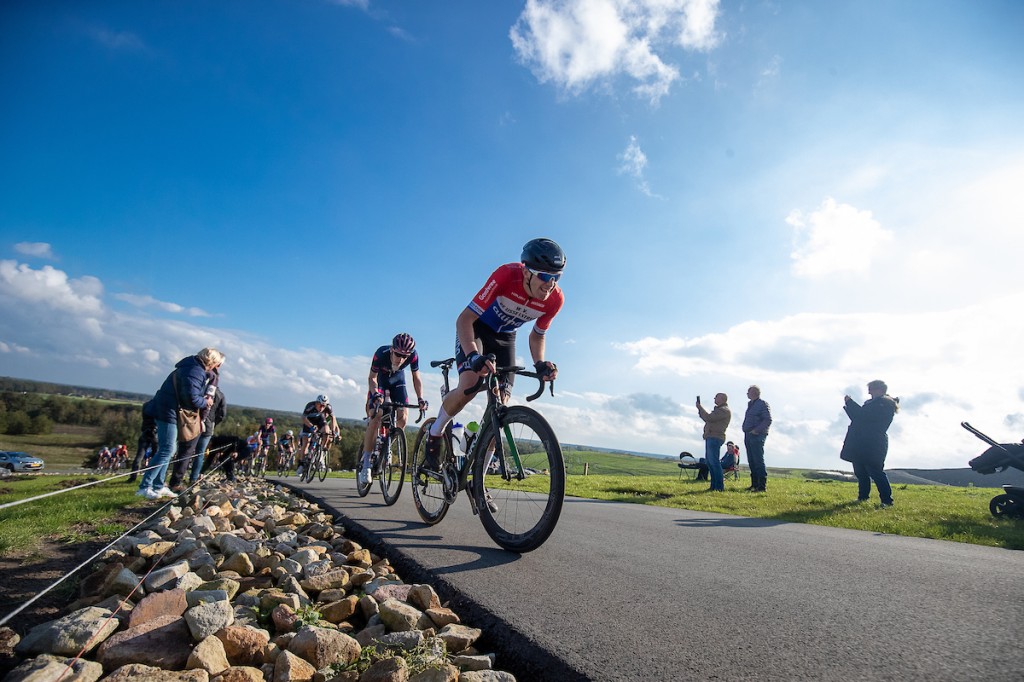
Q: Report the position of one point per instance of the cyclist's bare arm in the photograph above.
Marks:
(537, 347)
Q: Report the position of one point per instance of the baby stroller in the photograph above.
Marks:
(999, 458)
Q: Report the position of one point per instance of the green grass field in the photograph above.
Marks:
(76, 516)
(940, 512)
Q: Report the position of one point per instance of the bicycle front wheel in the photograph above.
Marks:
(311, 464)
(519, 503)
(392, 466)
(321, 469)
(363, 488)
(427, 488)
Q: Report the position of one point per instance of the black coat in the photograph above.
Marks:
(866, 439)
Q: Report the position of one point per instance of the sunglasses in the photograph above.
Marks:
(544, 276)
(401, 355)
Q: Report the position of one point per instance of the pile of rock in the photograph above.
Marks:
(246, 582)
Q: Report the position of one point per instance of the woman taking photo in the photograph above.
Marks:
(867, 442)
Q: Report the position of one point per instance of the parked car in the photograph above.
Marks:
(20, 461)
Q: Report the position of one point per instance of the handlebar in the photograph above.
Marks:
(388, 403)
(521, 371)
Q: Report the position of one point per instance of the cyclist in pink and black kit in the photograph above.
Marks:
(515, 294)
(387, 377)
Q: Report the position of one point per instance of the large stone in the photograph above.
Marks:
(332, 580)
(137, 672)
(240, 563)
(424, 597)
(161, 643)
(383, 592)
(446, 672)
(290, 668)
(486, 676)
(393, 669)
(165, 578)
(157, 605)
(458, 638)
(244, 645)
(323, 647)
(341, 610)
(196, 597)
(227, 584)
(67, 636)
(241, 673)
(208, 655)
(230, 543)
(399, 616)
(154, 549)
(47, 668)
(207, 618)
(443, 616)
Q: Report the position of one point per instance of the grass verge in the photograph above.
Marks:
(78, 516)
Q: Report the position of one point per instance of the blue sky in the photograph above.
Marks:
(802, 195)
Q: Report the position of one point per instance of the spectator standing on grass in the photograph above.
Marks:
(715, 423)
(867, 442)
(184, 387)
(755, 431)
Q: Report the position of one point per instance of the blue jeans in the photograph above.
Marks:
(197, 461)
(712, 456)
(167, 444)
(871, 471)
(755, 455)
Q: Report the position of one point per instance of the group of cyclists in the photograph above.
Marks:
(485, 339)
(112, 459)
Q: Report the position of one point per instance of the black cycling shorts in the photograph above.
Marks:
(502, 344)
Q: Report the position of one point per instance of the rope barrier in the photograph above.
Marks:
(104, 480)
(159, 510)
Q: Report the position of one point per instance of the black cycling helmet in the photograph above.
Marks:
(403, 343)
(544, 255)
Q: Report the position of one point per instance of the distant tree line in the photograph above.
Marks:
(28, 409)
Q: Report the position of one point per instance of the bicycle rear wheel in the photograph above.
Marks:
(427, 488)
(521, 509)
(392, 466)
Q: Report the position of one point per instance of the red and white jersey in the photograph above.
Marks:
(504, 306)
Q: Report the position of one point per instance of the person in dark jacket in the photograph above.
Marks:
(215, 415)
(147, 440)
(184, 387)
(187, 449)
(755, 431)
(867, 442)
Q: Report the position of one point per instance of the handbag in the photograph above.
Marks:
(190, 426)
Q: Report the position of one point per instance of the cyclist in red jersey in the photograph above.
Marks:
(515, 294)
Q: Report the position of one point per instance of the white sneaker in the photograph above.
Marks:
(363, 475)
(164, 492)
(148, 493)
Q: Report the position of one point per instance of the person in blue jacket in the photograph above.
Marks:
(190, 375)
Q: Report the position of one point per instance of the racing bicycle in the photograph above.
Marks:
(316, 461)
(388, 460)
(285, 462)
(513, 470)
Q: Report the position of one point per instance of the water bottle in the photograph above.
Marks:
(472, 428)
(458, 443)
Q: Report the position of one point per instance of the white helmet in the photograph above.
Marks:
(322, 398)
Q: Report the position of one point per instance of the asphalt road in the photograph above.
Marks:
(627, 592)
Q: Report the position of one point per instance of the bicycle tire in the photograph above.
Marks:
(310, 469)
(363, 488)
(428, 492)
(527, 510)
(392, 466)
(322, 465)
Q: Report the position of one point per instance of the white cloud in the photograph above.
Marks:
(34, 249)
(50, 288)
(633, 162)
(835, 238)
(148, 301)
(576, 43)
